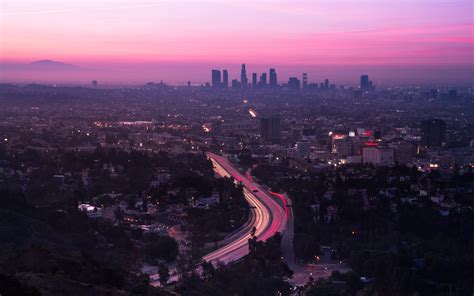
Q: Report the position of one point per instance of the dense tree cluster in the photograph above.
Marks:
(48, 251)
(159, 247)
(224, 217)
(401, 248)
(46, 240)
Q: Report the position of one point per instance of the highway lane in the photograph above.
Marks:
(288, 235)
(270, 216)
(242, 230)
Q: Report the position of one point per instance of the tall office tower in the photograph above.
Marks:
(263, 80)
(216, 78)
(243, 77)
(365, 83)
(254, 80)
(189, 83)
(293, 83)
(94, 83)
(270, 128)
(433, 132)
(273, 78)
(225, 78)
(305, 80)
(326, 83)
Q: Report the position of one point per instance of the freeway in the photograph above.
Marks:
(269, 216)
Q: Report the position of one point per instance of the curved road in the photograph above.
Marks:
(270, 216)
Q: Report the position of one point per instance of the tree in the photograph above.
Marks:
(140, 285)
(11, 286)
(353, 283)
(164, 274)
(160, 247)
(118, 214)
(208, 270)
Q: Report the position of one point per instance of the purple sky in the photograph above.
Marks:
(422, 40)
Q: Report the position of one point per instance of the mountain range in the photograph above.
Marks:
(51, 65)
(42, 65)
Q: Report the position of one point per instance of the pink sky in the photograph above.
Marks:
(317, 32)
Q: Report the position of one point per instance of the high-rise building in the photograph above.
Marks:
(273, 78)
(294, 83)
(94, 83)
(434, 93)
(433, 133)
(270, 128)
(225, 78)
(343, 148)
(403, 152)
(326, 83)
(305, 80)
(377, 155)
(365, 83)
(236, 84)
(263, 80)
(303, 148)
(243, 77)
(254, 80)
(452, 94)
(216, 78)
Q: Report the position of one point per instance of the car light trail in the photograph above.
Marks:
(253, 113)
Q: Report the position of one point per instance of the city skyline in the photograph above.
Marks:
(198, 74)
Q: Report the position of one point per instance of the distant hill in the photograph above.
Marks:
(51, 65)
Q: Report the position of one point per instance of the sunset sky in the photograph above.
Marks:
(288, 33)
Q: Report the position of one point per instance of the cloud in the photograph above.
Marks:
(36, 12)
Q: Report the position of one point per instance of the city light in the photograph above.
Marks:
(253, 113)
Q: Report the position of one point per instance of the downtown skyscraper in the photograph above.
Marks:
(216, 78)
(433, 132)
(254, 80)
(365, 83)
(263, 80)
(243, 77)
(273, 78)
(225, 78)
